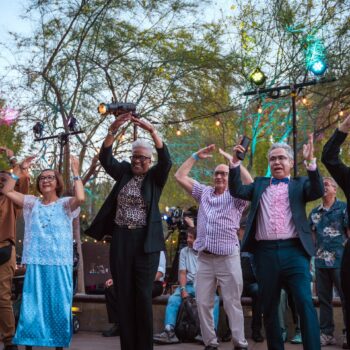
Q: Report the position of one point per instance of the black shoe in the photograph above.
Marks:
(227, 336)
(257, 337)
(113, 332)
(211, 347)
(11, 347)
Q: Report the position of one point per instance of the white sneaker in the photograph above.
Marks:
(327, 339)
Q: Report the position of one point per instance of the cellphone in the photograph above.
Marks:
(245, 143)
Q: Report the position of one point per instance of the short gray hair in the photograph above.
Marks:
(142, 144)
(330, 179)
(283, 145)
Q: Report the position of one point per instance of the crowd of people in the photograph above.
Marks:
(274, 253)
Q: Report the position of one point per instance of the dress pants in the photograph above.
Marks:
(226, 271)
(345, 284)
(285, 262)
(252, 290)
(112, 304)
(7, 319)
(133, 271)
(325, 280)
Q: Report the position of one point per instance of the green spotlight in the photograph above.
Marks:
(257, 77)
(315, 56)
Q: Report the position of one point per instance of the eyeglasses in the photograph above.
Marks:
(222, 173)
(142, 159)
(48, 178)
(274, 159)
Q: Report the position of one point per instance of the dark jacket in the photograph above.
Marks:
(151, 190)
(301, 189)
(338, 170)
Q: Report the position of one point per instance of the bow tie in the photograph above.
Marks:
(278, 181)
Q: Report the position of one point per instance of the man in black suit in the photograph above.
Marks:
(341, 174)
(131, 216)
(278, 234)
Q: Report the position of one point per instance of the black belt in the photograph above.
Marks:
(208, 252)
(131, 227)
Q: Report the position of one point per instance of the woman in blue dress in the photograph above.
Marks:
(45, 317)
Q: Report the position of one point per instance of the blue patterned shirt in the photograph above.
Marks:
(330, 228)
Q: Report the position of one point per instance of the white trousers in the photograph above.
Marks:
(224, 270)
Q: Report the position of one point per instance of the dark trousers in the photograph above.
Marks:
(252, 290)
(112, 304)
(285, 262)
(112, 300)
(325, 280)
(345, 284)
(133, 271)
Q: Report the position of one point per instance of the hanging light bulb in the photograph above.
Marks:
(260, 110)
(217, 123)
(178, 132)
(304, 100)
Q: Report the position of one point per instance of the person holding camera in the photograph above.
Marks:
(131, 216)
(218, 221)
(9, 213)
(278, 234)
(341, 174)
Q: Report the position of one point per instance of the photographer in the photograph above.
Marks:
(186, 275)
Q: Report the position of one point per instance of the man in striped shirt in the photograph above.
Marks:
(218, 246)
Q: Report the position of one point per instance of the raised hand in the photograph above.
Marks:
(9, 153)
(74, 163)
(308, 149)
(228, 156)
(205, 152)
(27, 162)
(345, 125)
(122, 119)
(143, 124)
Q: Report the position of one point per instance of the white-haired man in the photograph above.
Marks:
(131, 216)
(279, 236)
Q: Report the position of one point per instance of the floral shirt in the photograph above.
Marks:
(330, 228)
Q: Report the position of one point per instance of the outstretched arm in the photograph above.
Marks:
(181, 175)
(79, 193)
(8, 190)
(330, 156)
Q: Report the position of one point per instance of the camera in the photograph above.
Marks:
(117, 108)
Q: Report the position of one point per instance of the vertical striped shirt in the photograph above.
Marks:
(218, 220)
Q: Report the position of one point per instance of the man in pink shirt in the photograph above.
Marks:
(278, 234)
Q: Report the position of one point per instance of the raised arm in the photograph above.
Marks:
(79, 193)
(313, 188)
(245, 175)
(161, 170)
(330, 156)
(181, 175)
(8, 184)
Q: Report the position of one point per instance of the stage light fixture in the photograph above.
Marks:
(257, 77)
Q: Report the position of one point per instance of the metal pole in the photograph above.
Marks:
(295, 131)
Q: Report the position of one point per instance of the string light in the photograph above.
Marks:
(260, 110)
(217, 123)
(178, 132)
(304, 100)
(341, 113)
